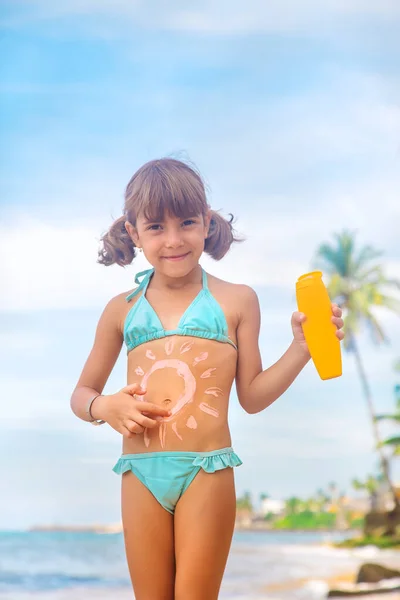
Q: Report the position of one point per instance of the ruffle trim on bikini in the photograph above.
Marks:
(122, 466)
(210, 464)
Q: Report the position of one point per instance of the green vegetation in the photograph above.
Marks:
(356, 522)
(306, 519)
(324, 510)
(245, 502)
(383, 542)
(359, 285)
(393, 442)
(371, 485)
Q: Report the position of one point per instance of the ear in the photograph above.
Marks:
(133, 234)
(207, 221)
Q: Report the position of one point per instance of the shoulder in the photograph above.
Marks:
(115, 310)
(117, 302)
(246, 293)
(248, 305)
(241, 295)
(242, 290)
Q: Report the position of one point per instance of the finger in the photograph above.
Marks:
(125, 432)
(339, 334)
(153, 409)
(298, 317)
(134, 427)
(158, 418)
(133, 388)
(145, 421)
(338, 322)
(337, 311)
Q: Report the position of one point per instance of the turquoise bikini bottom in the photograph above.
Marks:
(168, 474)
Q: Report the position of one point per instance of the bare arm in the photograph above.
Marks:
(256, 388)
(102, 358)
(121, 410)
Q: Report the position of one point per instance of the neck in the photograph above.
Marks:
(176, 283)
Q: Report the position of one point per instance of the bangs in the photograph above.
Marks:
(172, 189)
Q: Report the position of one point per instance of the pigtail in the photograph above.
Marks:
(221, 236)
(117, 246)
(164, 186)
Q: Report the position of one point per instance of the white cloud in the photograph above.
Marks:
(28, 342)
(268, 18)
(33, 399)
(53, 262)
(312, 435)
(349, 125)
(60, 270)
(55, 266)
(222, 17)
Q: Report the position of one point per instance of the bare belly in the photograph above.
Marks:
(192, 377)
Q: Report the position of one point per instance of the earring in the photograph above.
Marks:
(140, 249)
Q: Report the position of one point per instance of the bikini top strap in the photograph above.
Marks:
(146, 276)
(142, 279)
(204, 280)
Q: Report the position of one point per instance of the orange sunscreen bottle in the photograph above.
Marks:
(313, 300)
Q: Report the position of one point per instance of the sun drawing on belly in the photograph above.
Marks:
(189, 381)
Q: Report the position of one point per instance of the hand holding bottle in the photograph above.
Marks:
(298, 318)
(317, 326)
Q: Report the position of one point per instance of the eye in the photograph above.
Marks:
(188, 222)
(154, 227)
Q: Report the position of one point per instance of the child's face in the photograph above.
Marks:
(174, 245)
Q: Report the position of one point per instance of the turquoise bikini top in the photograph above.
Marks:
(204, 318)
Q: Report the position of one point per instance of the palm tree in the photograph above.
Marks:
(358, 284)
(394, 441)
(371, 485)
(322, 499)
(293, 505)
(245, 502)
(332, 488)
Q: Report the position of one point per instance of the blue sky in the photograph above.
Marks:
(291, 114)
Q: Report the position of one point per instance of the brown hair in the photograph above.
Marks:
(160, 186)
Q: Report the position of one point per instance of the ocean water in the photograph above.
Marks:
(83, 566)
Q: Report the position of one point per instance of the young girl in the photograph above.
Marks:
(188, 335)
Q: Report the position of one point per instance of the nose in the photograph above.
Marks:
(173, 238)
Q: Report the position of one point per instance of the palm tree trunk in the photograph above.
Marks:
(375, 430)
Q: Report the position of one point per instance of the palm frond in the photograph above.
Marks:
(358, 284)
(328, 259)
(395, 418)
(377, 333)
(345, 251)
(336, 289)
(350, 328)
(391, 303)
(365, 256)
(392, 441)
(372, 274)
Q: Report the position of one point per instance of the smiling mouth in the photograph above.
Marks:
(176, 257)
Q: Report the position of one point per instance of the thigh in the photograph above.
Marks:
(204, 523)
(149, 541)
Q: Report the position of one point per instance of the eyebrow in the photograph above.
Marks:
(152, 221)
(149, 221)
